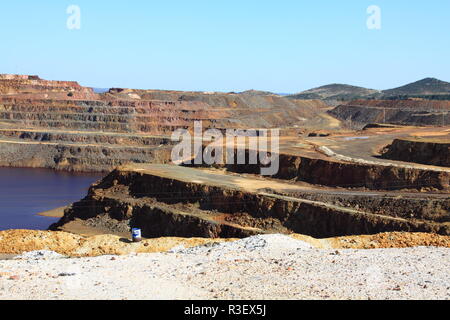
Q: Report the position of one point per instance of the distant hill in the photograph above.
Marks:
(257, 93)
(424, 87)
(428, 88)
(336, 92)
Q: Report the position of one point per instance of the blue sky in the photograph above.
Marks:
(214, 45)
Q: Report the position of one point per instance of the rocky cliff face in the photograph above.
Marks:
(176, 201)
(333, 173)
(24, 84)
(427, 151)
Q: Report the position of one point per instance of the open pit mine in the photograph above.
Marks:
(361, 168)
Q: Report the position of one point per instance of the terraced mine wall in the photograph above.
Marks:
(62, 125)
(374, 177)
(155, 117)
(403, 112)
(435, 153)
(225, 100)
(163, 206)
(76, 128)
(406, 206)
(405, 104)
(17, 84)
(82, 158)
(329, 172)
(273, 111)
(85, 135)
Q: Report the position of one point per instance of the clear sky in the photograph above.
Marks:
(216, 45)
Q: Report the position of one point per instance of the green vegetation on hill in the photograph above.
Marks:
(428, 88)
(425, 87)
(337, 92)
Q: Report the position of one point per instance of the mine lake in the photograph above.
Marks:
(26, 192)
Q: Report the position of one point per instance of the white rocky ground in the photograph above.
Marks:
(260, 267)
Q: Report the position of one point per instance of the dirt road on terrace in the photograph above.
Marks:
(366, 145)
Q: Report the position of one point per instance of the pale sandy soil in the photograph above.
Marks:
(15, 242)
(53, 213)
(261, 267)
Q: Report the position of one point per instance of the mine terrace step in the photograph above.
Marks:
(100, 145)
(102, 109)
(84, 137)
(247, 201)
(101, 117)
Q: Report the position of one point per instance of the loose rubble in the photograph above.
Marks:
(259, 267)
(39, 255)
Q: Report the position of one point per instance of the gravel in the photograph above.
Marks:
(259, 267)
(264, 244)
(39, 255)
